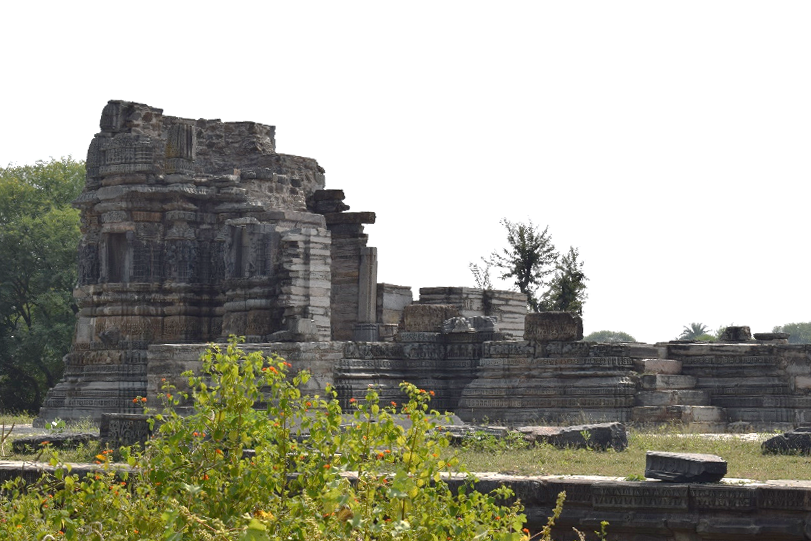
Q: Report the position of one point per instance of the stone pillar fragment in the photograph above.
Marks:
(366, 328)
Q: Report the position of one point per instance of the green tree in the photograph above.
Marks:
(800, 332)
(529, 258)
(609, 336)
(567, 289)
(39, 232)
(693, 331)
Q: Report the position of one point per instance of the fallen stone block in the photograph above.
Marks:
(797, 441)
(600, 436)
(684, 467)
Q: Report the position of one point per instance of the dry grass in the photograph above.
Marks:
(743, 456)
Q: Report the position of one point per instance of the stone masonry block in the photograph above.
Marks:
(685, 467)
(553, 327)
(427, 317)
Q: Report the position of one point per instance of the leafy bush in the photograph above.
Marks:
(196, 479)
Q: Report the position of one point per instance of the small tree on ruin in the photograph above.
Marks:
(529, 258)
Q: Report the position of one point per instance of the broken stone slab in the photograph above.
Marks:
(684, 467)
(553, 327)
(70, 440)
(797, 441)
(780, 337)
(601, 436)
(736, 334)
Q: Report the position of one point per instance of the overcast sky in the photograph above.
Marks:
(668, 141)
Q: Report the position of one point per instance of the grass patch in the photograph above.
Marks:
(744, 457)
(82, 453)
(16, 418)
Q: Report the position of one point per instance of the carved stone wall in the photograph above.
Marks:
(193, 230)
(476, 375)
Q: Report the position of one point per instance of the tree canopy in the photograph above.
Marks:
(529, 258)
(693, 331)
(39, 233)
(567, 289)
(800, 333)
(609, 336)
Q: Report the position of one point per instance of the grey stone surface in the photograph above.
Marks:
(736, 334)
(772, 336)
(796, 441)
(427, 317)
(553, 327)
(684, 467)
(120, 429)
(456, 325)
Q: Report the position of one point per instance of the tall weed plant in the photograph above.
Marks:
(308, 476)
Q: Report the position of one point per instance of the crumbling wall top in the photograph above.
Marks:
(138, 144)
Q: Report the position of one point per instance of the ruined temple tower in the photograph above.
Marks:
(193, 230)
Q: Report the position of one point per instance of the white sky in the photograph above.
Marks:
(668, 141)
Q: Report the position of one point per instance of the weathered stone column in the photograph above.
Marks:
(365, 329)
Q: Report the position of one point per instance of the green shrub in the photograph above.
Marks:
(194, 480)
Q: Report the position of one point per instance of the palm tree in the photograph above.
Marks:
(693, 331)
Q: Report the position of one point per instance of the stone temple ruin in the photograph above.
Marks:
(194, 230)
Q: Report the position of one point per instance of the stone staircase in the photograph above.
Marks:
(668, 396)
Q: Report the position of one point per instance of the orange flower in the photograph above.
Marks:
(143, 399)
(134, 400)
(393, 403)
(432, 393)
(352, 400)
(327, 466)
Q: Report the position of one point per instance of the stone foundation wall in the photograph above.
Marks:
(526, 382)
